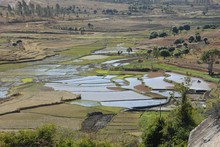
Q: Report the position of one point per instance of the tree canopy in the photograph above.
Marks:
(210, 57)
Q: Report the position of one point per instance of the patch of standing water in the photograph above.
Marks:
(136, 103)
(132, 83)
(197, 83)
(157, 83)
(3, 92)
(40, 73)
(112, 96)
(119, 48)
(119, 81)
(113, 61)
(116, 63)
(166, 93)
(86, 103)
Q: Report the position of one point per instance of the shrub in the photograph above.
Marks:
(153, 135)
(198, 37)
(162, 48)
(175, 30)
(181, 28)
(164, 53)
(211, 26)
(153, 35)
(43, 136)
(191, 39)
(186, 27)
(163, 34)
(171, 49)
(177, 53)
(179, 41)
(185, 51)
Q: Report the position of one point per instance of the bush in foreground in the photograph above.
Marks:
(46, 136)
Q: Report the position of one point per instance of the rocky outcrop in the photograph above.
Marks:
(207, 134)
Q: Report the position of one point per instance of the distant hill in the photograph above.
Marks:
(82, 3)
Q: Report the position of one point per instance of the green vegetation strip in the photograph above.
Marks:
(82, 50)
(195, 73)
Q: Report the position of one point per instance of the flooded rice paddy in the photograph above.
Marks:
(108, 90)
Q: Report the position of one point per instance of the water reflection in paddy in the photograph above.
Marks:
(196, 83)
(101, 89)
(157, 83)
(118, 47)
(132, 104)
(132, 83)
(166, 93)
(96, 88)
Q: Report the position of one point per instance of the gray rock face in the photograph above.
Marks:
(207, 134)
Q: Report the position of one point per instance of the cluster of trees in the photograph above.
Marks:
(168, 51)
(211, 26)
(47, 135)
(175, 30)
(30, 9)
(110, 11)
(140, 7)
(69, 28)
(174, 130)
(155, 35)
(197, 38)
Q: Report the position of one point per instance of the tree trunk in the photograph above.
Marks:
(210, 68)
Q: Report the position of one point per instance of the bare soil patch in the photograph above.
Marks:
(142, 88)
(155, 74)
(116, 88)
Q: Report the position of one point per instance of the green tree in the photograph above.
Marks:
(185, 51)
(163, 34)
(181, 28)
(18, 8)
(175, 30)
(9, 9)
(206, 40)
(191, 39)
(185, 110)
(156, 52)
(153, 135)
(210, 57)
(153, 35)
(164, 53)
(179, 41)
(57, 10)
(32, 9)
(25, 8)
(39, 10)
(129, 50)
(198, 37)
(186, 27)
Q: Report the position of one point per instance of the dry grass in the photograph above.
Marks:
(17, 121)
